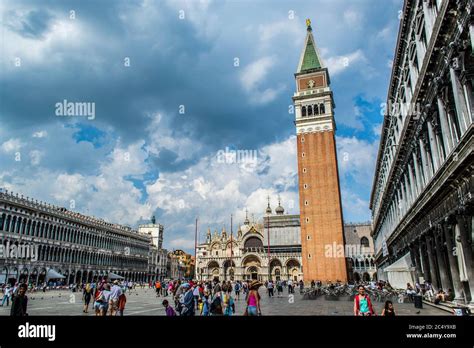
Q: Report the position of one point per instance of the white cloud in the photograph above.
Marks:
(40, 134)
(385, 33)
(12, 145)
(357, 159)
(213, 189)
(181, 243)
(377, 129)
(355, 207)
(253, 77)
(352, 17)
(35, 157)
(255, 72)
(275, 29)
(338, 64)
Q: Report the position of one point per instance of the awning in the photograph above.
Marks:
(52, 274)
(401, 265)
(399, 273)
(114, 276)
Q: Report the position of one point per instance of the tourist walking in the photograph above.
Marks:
(290, 286)
(270, 288)
(168, 309)
(362, 303)
(121, 304)
(101, 303)
(216, 304)
(188, 306)
(205, 308)
(86, 296)
(7, 295)
(237, 288)
(115, 293)
(388, 310)
(229, 305)
(253, 300)
(158, 288)
(196, 294)
(279, 287)
(245, 289)
(301, 286)
(20, 302)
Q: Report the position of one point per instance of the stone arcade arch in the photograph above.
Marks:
(229, 269)
(293, 269)
(213, 270)
(252, 266)
(276, 269)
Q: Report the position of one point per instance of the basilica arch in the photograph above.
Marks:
(213, 270)
(293, 269)
(252, 267)
(276, 269)
(229, 269)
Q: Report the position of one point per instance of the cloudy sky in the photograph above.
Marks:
(176, 85)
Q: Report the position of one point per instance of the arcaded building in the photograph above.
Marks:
(359, 251)
(422, 201)
(72, 248)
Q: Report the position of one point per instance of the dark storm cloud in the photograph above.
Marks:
(174, 63)
(30, 25)
(169, 66)
(168, 161)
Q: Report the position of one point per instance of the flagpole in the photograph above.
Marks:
(231, 242)
(195, 247)
(268, 249)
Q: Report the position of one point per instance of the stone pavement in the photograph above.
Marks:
(145, 302)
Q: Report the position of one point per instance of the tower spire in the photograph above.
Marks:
(310, 58)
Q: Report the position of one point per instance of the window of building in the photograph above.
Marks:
(308, 237)
(322, 109)
(305, 186)
(302, 139)
(307, 219)
(303, 111)
(364, 241)
(303, 154)
(309, 256)
(306, 202)
(304, 170)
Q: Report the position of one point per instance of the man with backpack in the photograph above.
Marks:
(237, 290)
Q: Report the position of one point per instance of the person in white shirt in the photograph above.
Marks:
(196, 294)
(114, 297)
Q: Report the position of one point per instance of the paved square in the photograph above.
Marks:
(145, 302)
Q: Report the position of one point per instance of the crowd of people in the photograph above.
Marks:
(427, 291)
(210, 298)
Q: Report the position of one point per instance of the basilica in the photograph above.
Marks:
(265, 249)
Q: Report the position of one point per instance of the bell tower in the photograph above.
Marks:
(319, 192)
